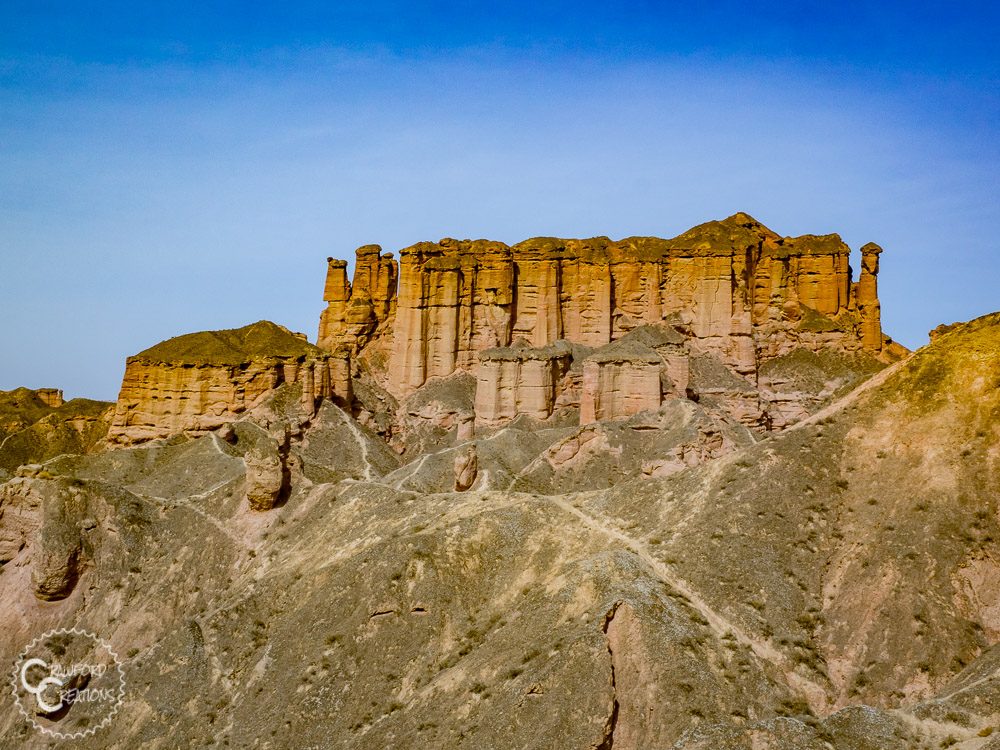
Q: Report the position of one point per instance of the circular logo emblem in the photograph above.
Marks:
(68, 683)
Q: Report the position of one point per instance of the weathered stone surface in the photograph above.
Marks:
(520, 380)
(621, 379)
(52, 397)
(466, 468)
(198, 382)
(54, 526)
(268, 478)
(434, 415)
(356, 311)
(867, 298)
(737, 290)
(20, 517)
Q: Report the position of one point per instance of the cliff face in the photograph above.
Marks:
(734, 289)
(520, 380)
(538, 325)
(199, 382)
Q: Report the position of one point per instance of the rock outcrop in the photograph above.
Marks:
(542, 326)
(356, 311)
(633, 374)
(466, 468)
(733, 290)
(201, 381)
(520, 380)
(51, 397)
(268, 475)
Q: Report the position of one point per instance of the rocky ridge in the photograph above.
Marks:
(550, 329)
(36, 425)
(198, 382)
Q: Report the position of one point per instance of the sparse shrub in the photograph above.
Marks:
(533, 654)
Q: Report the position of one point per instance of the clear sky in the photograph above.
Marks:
(173, 167)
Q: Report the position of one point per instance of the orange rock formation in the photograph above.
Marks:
(543, 324)
(201, 381)
(738, 290)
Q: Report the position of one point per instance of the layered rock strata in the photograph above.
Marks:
(201, 381)
(520, 380)
(355, 311)
(633, 374)
(739, 290)
(619, 386)
(530, 322)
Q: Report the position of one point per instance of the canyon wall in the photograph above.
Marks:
(734, 288)
(533, 322)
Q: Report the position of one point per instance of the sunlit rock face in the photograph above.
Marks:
(199, 382)
(732, 290)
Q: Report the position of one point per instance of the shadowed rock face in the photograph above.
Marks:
(672, 579)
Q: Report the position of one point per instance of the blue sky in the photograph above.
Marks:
(171, 167)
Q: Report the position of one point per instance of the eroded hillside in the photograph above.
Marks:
(292, 581)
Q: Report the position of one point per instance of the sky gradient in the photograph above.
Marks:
(172, 167)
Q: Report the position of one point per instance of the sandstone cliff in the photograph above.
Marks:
(520, 380)
(547, 330)
(732, 290)
(201, 381)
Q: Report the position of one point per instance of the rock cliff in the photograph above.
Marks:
(520, 380)
(198, 382)
(732, 290)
